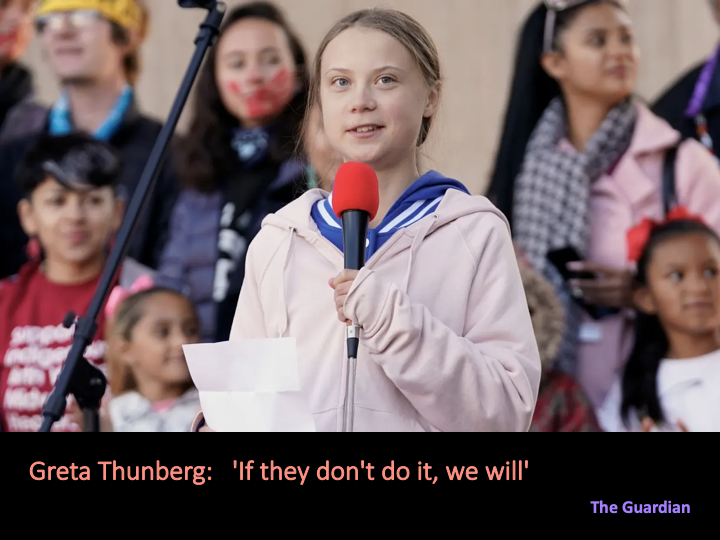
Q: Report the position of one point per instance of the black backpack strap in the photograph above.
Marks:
(669, 195)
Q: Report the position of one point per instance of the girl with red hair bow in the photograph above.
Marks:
(672, 375)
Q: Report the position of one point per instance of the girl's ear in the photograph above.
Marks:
(554, 65)
(644, 301)
(119, 214)
(123, 348)
(433, 101)
(27, 218)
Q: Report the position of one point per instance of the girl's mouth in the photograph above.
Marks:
(77, 237)
(700, 305)
(365, 130)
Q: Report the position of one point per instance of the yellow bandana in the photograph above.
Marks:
(126, 13)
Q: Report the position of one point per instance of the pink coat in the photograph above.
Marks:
(617, 202)
(447, 341)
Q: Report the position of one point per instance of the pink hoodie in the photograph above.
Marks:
(447, 341)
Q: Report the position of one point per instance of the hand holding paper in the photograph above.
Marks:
(250, 385)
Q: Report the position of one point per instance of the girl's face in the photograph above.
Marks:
(155, 351)
(598, 57)
(683, 288)
(255, 71)
(73, 227)
(373, 98)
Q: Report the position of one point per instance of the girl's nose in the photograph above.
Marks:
(254, 75)
(697, 285)
(363, 100)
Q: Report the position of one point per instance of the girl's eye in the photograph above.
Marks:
(711, 272)
(387, 80)
(627, 38)
(162, 332)
(57, 201)
(339, 82)
(597, 41)
(192, 332)
(676, 276)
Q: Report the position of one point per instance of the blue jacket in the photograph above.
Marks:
(191, 254)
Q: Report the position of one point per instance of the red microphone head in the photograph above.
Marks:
(355, 188)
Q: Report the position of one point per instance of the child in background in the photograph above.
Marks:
(70, 209)
(562, 406)
(672, 377)
(149, 378)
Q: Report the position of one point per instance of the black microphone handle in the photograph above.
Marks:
(355, 225)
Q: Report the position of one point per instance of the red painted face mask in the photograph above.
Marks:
(270, 99)
(8, 37)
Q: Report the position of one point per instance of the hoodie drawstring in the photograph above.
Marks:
(417, 241)
(283, 294)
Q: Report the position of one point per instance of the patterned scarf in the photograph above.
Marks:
(552, 192)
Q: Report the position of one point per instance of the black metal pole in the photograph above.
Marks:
(78, 376)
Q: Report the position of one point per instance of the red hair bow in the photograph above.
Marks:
(638, 236)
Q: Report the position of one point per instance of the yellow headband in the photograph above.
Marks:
(126, 13)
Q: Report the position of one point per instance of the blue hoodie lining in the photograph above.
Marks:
(416, 211)
(419, 200)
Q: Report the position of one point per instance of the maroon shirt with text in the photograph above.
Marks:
(34, 344)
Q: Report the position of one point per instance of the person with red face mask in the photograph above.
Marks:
(240, 160)
(19, 114)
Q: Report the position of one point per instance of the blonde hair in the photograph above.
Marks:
(396, 24)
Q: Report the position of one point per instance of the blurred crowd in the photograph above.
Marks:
(613, 203)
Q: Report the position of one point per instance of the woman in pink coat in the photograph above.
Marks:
(581, 162)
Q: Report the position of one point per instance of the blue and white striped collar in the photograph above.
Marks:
(419, 200)
(415, 212)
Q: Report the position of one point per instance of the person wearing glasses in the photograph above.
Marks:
(93, 48)
(692, 104)
(580, 162)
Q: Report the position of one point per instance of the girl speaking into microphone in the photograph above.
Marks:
(446, 341)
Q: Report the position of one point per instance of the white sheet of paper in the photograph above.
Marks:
(250, 385)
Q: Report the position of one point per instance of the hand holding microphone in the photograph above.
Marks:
(342, 283)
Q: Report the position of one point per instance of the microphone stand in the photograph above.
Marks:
(78, 376)
(352, 333)
(355, 225)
